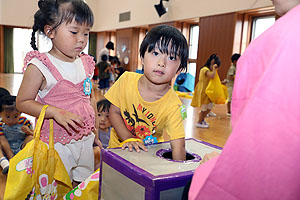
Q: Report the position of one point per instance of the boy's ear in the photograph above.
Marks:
(48, 31)
(142, 59)
(178, 72)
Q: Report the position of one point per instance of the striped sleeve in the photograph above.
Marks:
(1, 129)
(26, 122)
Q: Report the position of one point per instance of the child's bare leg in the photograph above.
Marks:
(202, 115)
(228, 107)
(27, 139)
(75, 183)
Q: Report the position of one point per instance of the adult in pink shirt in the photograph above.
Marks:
(261, 157)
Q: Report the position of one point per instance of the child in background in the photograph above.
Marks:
(3, 92)
(200, 99)
(230, 80)
(104, 68)
(145, 105)
(96, 73)
(15, 131)
(61, 78)
(104, 128)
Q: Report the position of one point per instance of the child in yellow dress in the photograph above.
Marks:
(200, 99)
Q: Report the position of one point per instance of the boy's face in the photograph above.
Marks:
(10, 117)
(160, 67)
(104, 121)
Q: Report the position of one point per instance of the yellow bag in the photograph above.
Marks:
(225, 89)
(215, 91)
(37, 171)
(88, 189)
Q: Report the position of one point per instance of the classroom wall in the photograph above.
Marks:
(20, 12)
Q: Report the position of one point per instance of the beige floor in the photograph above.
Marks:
(217, 134)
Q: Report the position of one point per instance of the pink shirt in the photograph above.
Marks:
(261, 157)
(68, 96)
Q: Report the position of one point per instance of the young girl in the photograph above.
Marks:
(61, 78)
(200, 99)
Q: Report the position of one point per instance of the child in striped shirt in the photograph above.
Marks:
(15, 131)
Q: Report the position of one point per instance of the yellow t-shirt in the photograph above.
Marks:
(144, 118)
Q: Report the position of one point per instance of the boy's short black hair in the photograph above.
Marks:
(104, 57)
(235, 57)
(3, 92)
(161, 36)
(110, 45)
(8, 102)
(103, 105)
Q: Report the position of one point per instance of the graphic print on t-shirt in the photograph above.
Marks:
(140, 122)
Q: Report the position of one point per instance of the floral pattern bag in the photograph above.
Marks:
(37, 171)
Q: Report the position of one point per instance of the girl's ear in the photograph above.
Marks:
(48, 31)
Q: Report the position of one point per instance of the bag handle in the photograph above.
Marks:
(39, 123)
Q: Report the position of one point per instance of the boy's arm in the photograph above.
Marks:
(178, 149)
(123, 133)
(6, 147)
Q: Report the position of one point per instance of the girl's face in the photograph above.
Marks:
(160, 67)
(69, 40)
(283, 6)
(104, 121)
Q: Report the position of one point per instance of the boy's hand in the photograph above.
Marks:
(136, 145)
(26, 130)
(68, 120)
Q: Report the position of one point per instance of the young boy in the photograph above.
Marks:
(145, 105)
(103, 67)
(230, 80)
(15, 131)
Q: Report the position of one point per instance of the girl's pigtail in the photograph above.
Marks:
(32, 43)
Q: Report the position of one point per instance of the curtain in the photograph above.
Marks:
(92, 44)
(8, 50)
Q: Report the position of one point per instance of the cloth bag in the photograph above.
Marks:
(37, 171)
(87, 189)
(215, 91)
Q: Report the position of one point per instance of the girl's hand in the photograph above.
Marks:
(26, 130)
(68, 120)
(136, 145)
(215, 66)
(98, 143)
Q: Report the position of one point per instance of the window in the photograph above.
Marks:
(260, 24)
(193, 43)
(193, 50)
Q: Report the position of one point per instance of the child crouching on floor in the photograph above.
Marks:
(15, 131)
